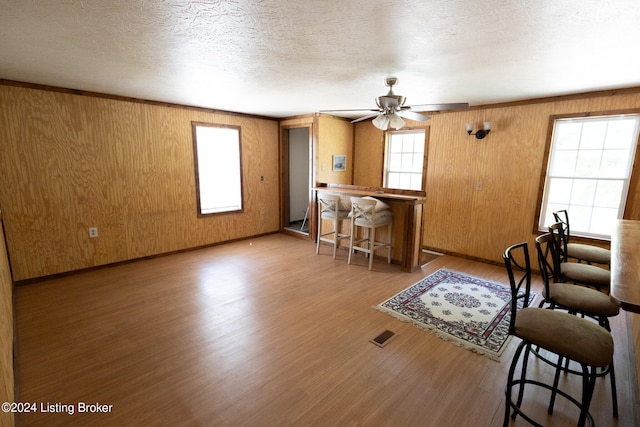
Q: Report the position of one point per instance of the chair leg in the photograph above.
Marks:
(604, 322)
(589, 375)
(367, 244)
(509, 388)
(523, 377)
(335, 236)
(352, 229)
(556, 380)
(614, 392)
(319, 233)
(389, 240)
(588, 385)
(371, 244)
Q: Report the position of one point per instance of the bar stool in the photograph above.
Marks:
(329, 209)
(576, 300)
(574, 272)
(563, 334)
(579, 251)
(370, 214)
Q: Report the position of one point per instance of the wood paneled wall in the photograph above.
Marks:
(6, 332)
(369, 152)
(335, 136)
(368, 168)
(482, 194)
(70, 162)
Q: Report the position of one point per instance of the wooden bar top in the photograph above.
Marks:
(378, 192)
(625, 264)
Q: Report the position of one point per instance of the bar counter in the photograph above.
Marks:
(625, 264)
(406, 206)
(625, 285)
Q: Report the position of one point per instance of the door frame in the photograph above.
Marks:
(285, 126)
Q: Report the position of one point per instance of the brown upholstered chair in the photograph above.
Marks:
(329, 209)
(578, 273)
(575, 299)
(563, 334)
(581, 252)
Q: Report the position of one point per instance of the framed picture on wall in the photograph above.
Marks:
(339, 162)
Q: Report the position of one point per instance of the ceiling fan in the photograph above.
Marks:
(391, 109)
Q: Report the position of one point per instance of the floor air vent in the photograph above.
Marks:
(382, 339)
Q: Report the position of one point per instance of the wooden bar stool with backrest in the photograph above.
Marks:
(581, 274)
(329, 209)
(575, 299)
(370, 214)
(563, 334)
(581, 252)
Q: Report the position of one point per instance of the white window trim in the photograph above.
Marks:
(387, 157)
(543, 214)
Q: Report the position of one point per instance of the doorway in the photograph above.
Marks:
(297, 186)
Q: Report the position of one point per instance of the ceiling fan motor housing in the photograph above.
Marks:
(390, 102)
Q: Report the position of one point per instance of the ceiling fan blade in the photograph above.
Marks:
(369, 116)
(354, 109)
(440, 107)
(414, 116)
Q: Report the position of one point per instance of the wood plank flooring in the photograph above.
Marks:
(262, 332)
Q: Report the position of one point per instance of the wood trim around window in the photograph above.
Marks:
(194, 126)
(634, 178)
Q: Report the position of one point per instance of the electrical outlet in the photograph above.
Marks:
(93, 232)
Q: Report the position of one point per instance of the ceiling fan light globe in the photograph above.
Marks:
(381, 122)
(396, 121)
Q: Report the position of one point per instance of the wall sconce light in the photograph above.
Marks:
(480, 133)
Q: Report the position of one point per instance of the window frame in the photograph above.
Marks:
(632, 179)
(194, 127)
(386, 158)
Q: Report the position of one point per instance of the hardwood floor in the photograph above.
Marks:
(262, 332)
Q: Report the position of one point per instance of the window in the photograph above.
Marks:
(218, 168)
(588, 172)
(404, 160)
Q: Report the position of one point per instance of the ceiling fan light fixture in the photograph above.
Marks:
(391, 110)
(381, 122)
(396, 121)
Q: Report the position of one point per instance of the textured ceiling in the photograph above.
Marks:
(282, 58)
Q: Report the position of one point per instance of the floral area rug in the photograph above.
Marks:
(466, 310)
